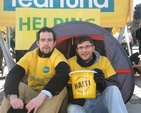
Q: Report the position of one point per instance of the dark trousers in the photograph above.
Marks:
(139, 41)
(140, 48)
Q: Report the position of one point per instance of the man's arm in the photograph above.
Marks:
(102, 83)
(59, 80)
(113, 80)
(12, 80)
(11, 86)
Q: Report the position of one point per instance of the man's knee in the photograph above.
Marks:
(71, 108)
(112, 90)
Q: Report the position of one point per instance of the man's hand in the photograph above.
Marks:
(100, 80)
(15, 102)
(36, 102)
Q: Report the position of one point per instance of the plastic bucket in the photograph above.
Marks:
(83, 85)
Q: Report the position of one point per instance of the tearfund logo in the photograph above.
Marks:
(46, 69)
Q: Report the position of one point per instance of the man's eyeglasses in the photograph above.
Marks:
(86, 47)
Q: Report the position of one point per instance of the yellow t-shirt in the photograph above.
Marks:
(40, 70)
(103, 63)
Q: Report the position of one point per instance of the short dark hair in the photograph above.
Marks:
(84, 38)
(46, 29)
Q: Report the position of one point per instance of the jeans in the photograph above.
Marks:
(109, 102)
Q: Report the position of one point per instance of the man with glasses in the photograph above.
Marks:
(47, 71)
(108, 98)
